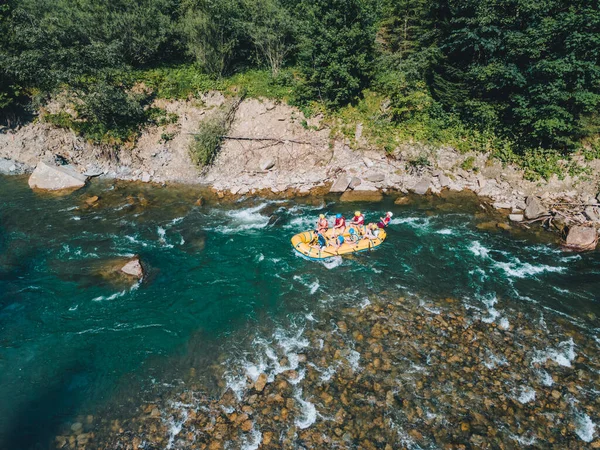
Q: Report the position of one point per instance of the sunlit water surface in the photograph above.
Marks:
(217, 277)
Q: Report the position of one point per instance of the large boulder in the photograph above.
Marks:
(535, 208)
(50, 177)
(422, 187)
(354, 183)
(582, 238)
(341, 184)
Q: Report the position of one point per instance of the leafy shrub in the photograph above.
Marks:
(209, 138)
(468, 163)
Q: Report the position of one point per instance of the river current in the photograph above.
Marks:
(224, 289)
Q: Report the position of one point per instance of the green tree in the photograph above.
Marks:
(537, 63)
(214, 33)
(271, 28)
(336, 49)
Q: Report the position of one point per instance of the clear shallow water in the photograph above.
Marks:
(221, 278)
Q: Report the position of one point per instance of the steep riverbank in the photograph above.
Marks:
(273, 147)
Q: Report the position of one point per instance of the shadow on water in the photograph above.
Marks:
(36, 422)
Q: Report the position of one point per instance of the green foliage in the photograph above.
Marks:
(214, 33)
(468, 164)
(537, 71)
(105, 113)
(336, 49)
(272, 31)
(208, 140)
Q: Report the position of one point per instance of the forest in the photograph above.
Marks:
(520, 78)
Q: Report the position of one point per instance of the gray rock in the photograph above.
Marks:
(369, 163)
(592, 213)
(422, 187)
(535, 208)
(341, 184)
(521, 205)
(145, 177)
(133, 268)
(50, 177)
(516, 217)
(580, 237)
(354, 183)
(444, 180)
(375, 178)
(267, 164)
(502, 205)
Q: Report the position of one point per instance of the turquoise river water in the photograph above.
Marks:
(74, 341)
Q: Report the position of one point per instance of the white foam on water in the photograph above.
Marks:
(332, 263)
(176, 425)
(504, 324)
(244, 220)
(162, 237)
(479, 250)
(518, 269)
(431, 309)
(376, 270)
(76, 218)
(309, 316)
(133, 240)
(494, 361)
(353, 358)
(445, 232)
(364, 303)
(308, 412)
(74, 308)
(260, 257)
(493, 313)
(252, 440)
(176, 221)
(563, 354)
(584, 427)
(419, 222)
(523, 440)
(314, 287)
(116, 295)
(527, 395)
(545, 378)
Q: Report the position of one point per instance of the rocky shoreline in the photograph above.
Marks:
(397, 372)
(273, 150)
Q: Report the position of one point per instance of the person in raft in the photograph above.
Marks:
(358, 222)
(322, 224)
(340, 225)
(372, 231)
(385, 221)
(339, 240)
(353, 239)
(320, 242)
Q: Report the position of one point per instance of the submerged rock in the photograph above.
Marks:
(362, 195)
(49, 177)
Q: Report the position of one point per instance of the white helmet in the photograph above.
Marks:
(389, 213)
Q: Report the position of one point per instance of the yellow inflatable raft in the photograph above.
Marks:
(305, 243)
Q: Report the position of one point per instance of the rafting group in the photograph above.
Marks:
(344, 237)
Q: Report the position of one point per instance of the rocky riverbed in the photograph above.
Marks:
(395, 372)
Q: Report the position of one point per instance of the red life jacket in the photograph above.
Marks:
(386, 220)
(360, 220)
(340, 221)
